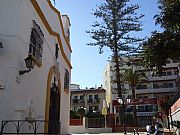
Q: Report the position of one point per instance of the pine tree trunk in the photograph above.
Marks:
(117, 68)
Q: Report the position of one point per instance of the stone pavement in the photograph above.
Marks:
(140, 133)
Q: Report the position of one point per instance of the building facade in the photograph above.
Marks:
(34, 31)
(150, 94)
(90, 99)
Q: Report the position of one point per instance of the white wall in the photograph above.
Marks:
(107, 83)
(15, 27)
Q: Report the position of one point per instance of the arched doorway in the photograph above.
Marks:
(54, 108)
(53, 98)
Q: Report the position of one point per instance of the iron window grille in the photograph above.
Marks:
(66, 80)
(36, 43)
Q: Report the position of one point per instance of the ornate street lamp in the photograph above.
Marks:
(29, 64)
(123, 103)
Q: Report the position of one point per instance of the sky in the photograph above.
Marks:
(88, 65)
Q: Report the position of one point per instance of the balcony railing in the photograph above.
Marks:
(157, 78)
(75, 100)
(141, 87)
(159, 90)
(90, 101)
(96, 100)
(78, 101)
(93, 101)
(30, 127)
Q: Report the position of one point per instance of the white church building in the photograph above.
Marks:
(35, 68)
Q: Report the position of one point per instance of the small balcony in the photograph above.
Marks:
(89, 101)
(156, 90)
(96, 101)
(93, 101)
(167, 77)
(78, 101)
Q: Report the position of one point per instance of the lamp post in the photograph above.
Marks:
(123, 102)
(29, 64)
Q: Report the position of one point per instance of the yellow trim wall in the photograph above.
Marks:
(49, 29)
(61, 24)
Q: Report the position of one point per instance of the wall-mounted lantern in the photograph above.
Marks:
(1, 46)
(29, 64)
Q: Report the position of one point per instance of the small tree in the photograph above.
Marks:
(133, 77)
(81, 112)
(73, 115)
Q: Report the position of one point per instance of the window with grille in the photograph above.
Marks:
(96, 108)
(169, 73)
(81, 99)
(141, 86)
(176, 72)
(90, 99)
(148, 108)
(95, 96)
(90, 109)
(140, 108)
(36, 43)
(66, 81)
(75, 99)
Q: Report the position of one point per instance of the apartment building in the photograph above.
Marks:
(35, 67)
(150, 94)
(91, 99)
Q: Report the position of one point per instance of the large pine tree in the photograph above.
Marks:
(116, 20)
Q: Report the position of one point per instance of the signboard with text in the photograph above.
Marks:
(139, 101)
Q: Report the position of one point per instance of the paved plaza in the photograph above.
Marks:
(140, 133)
